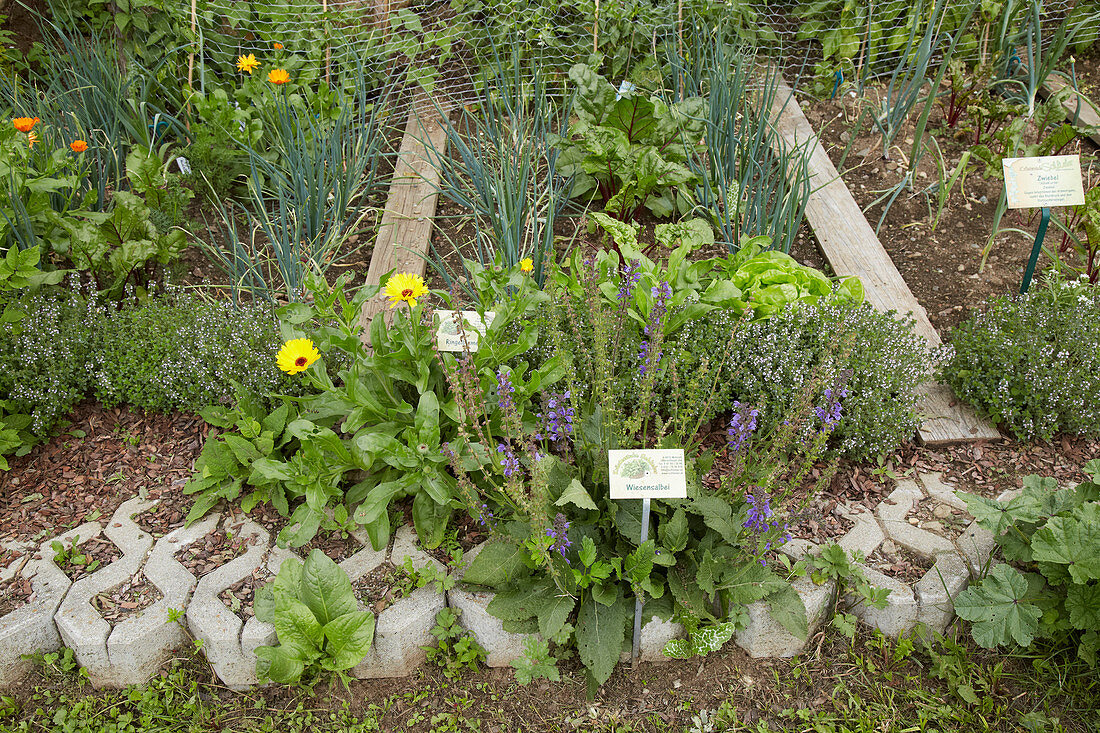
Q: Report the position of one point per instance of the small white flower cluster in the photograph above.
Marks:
(1033, 362)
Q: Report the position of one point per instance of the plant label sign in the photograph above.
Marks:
(1043, 181)
(647, 474)
(449, 339)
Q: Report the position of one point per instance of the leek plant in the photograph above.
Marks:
(751, 181)
(308, 192)
(502, 168)
(909, 76)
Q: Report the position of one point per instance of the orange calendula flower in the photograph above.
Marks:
(247, 64)
(277, 46)
(78, 146)
(25, 124)
(278, 76)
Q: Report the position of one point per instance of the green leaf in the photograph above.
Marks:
(701, 642)
(786, 607)
(499, 562)
(718, 515)
(1083, 604)
(575, 494)
(325, 588)
(1072, 541)
(674, 532)
(348, 639)
(554, 614)
(430, 520)
(999, 609)
(279, 664)
(600, 633)
(296, 626)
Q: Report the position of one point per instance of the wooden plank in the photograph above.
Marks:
(405, 230)
(852, 248)
(1086, 116)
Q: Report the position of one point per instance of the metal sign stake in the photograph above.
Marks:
(635, 653)
(1030, 271)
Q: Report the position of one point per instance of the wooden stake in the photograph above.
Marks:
(596, 30)
(328, 48)
(191, 55)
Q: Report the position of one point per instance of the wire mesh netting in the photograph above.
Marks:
(440, 45)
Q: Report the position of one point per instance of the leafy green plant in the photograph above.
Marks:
(536, 663)
(71, 556)
(1030, 362)
(118, 245)
(150, 176)
(1053, 536)
(320, 628)
(630, 151)
(456, 649)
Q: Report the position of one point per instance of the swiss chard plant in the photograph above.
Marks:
(629, 151)
(1049, 586)
(321, 629)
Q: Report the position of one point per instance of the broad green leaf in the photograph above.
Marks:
(554, 614)
(575, 494)
(1072, 541)
(718, 515)
(1083, 604)
(430, 520)
(600, 633)
(243, 449)
(497, 563)
(521, 603)
(674, 532)
(348, 639)
(999, 609)
(325, 588)
(278, 664)
(296, 625)
(786, 607)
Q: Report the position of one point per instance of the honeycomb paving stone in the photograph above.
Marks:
(900, 613)
(937, 590)
(501, 647)
(766, 637)
(138, 646)
(399, 633)
(866, 534)
(920, 541)
(81, 626)
(31, 628)
(655, 635)
(894, 508)
(945, 493)
(218, 628)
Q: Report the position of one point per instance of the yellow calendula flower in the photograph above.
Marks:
(247, 64)
(278, 76)
(526, 265)
(296, 356)
(405, 287)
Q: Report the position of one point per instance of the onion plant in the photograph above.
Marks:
(502, 167)
(752, 182)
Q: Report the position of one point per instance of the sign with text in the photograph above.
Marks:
(647, 474)
(1043, 181)
(447, 335)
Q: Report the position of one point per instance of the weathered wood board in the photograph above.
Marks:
(405, 230)
(852, 248)
(1086, 115)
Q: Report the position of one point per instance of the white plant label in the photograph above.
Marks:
(657, 473)
(447, 335)
(1043, 181)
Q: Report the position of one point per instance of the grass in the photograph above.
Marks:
(873, 686)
